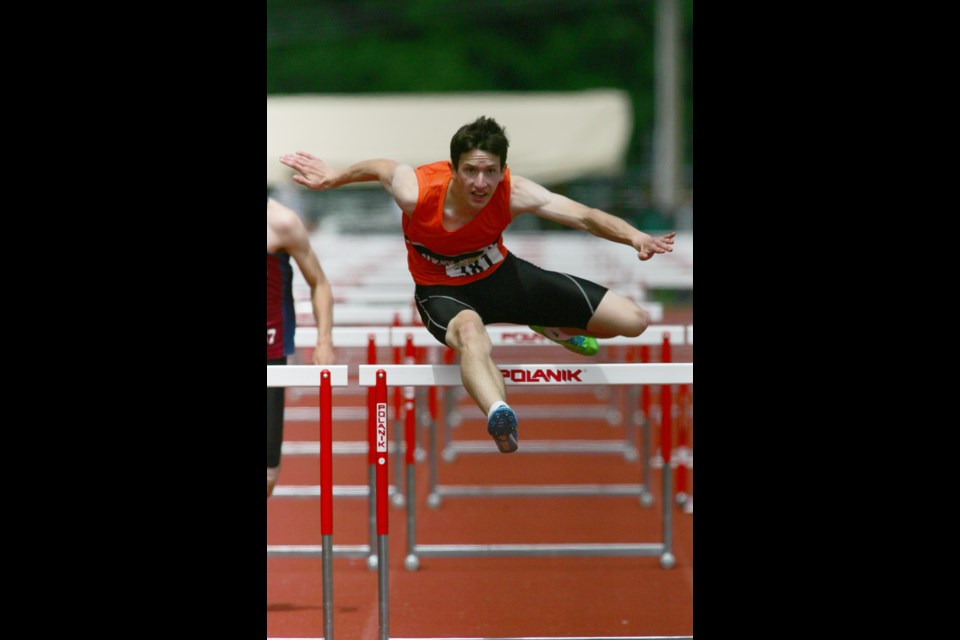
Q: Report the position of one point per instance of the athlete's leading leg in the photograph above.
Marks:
(482, 378)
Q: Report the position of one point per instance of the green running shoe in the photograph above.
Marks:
(584, 345)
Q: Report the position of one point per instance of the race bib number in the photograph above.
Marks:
(491, 255)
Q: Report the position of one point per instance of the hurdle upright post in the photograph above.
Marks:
(372, 456)
(682, 450)
(433, 498)
(398, 498)
(326, 499)
(410, 433)
(383, 513)
(666, 427)
(449, 405)
(645, 404)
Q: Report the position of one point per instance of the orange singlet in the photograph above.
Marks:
(472, 252)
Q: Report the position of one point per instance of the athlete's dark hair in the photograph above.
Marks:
(484, 134)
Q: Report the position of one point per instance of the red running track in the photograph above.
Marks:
(487, 597)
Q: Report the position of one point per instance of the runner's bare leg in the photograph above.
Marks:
(481, 377)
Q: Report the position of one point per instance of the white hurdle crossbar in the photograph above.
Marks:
(346, 336)
(427, 375)
(304, 375)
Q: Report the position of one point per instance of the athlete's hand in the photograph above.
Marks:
(312, 172)
(324, 354)
(648, 246)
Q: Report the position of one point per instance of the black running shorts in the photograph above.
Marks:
(275, 404)
(516, 293)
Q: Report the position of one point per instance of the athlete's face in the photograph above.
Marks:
(477, 177)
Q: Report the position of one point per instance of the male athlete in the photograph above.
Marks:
(286, 237)
(454, 214)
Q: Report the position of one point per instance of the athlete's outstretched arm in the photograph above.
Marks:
(399, 180)
(321, 298)
(295, 240)
(527, 196)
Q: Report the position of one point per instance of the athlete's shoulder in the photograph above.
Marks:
(434, 171)
(285, 223)
(432, 180)
(279, 215)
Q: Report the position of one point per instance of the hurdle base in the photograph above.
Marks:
(312, 448)
(316, 551)
(652, 549)
(313, 491)
(435, 497)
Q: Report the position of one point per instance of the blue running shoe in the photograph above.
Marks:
(502, 425)
(584, 345)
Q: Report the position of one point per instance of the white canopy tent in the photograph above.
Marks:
(554, 137)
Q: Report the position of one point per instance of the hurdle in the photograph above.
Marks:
(325, 378)
(369, 337)
(300, 375)
(382, 376)
(522, 336)
(353, 336)
(662, 374)
(682, 454)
